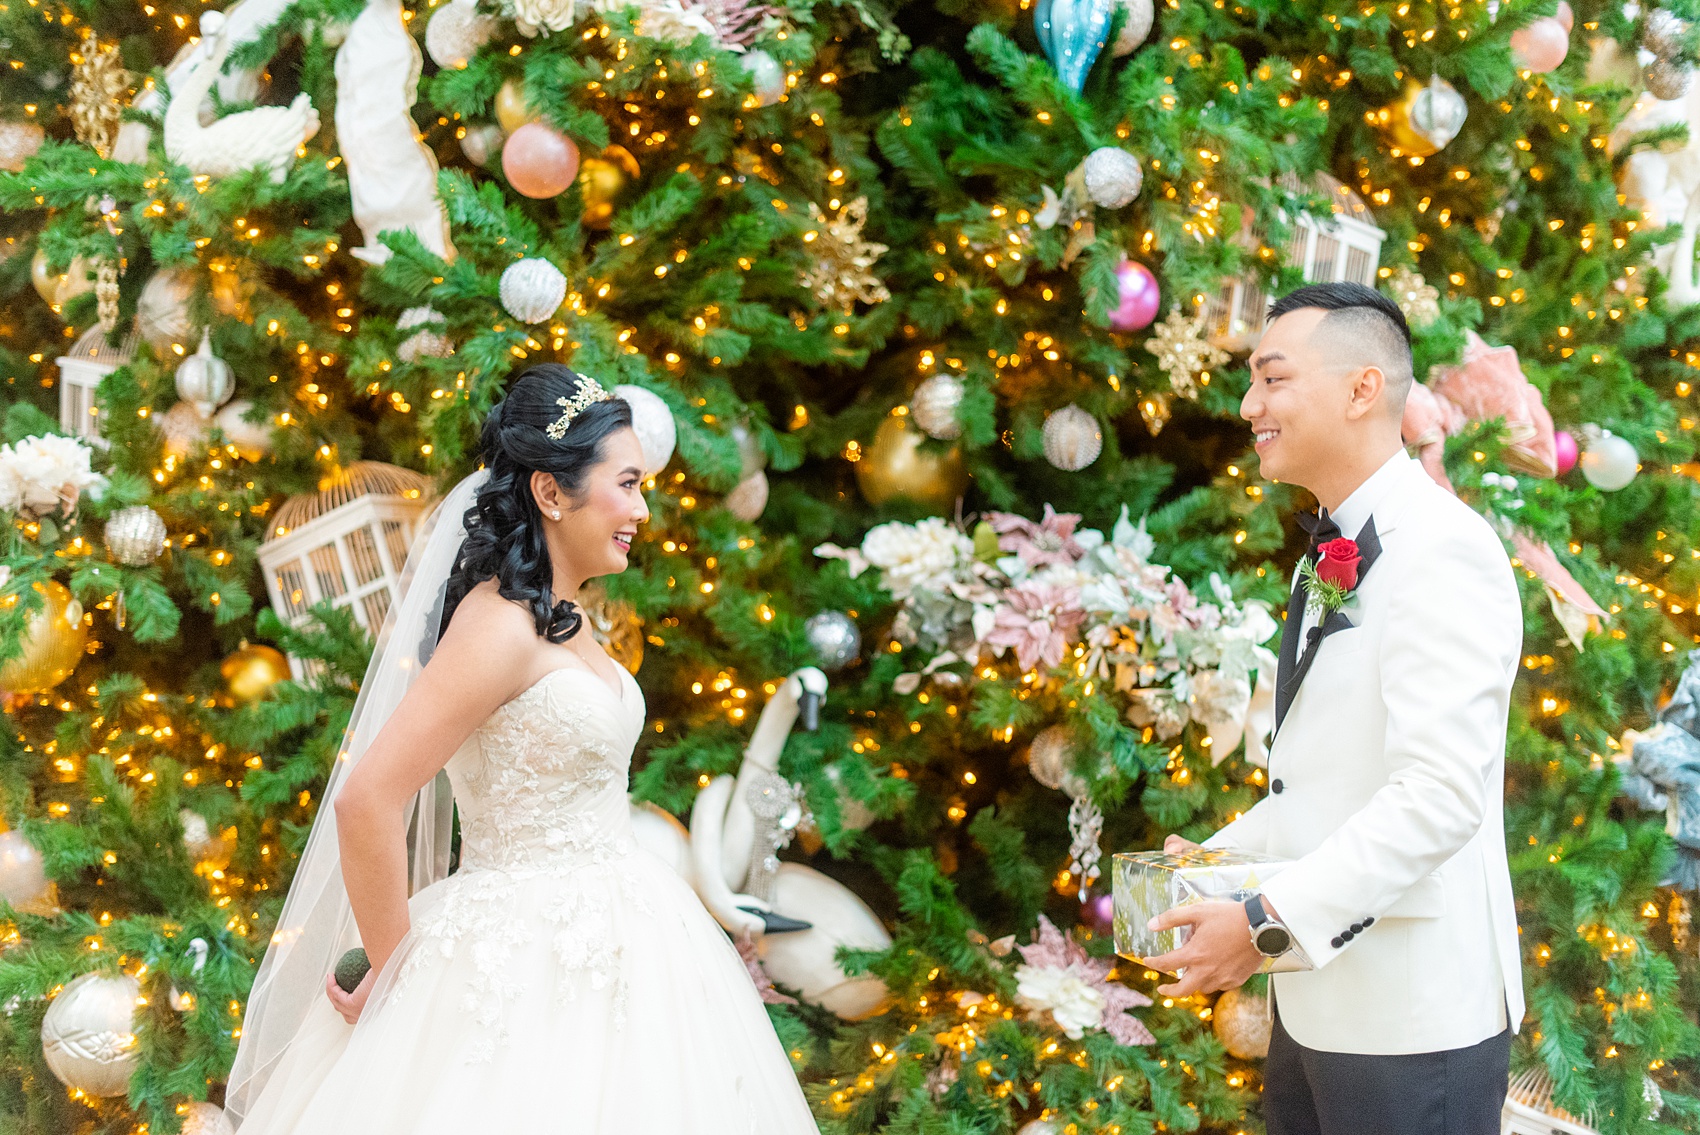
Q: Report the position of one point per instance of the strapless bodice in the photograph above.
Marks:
(541, 785)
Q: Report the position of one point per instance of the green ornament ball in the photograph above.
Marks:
(351, 969)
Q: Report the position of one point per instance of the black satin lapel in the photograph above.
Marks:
(1290, 676)
(1287, 662)
(1369, 546)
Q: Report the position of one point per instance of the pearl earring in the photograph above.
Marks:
(556, 515)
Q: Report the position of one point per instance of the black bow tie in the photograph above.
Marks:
(1321, 527)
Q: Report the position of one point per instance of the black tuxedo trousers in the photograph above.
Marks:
(1458, 1092)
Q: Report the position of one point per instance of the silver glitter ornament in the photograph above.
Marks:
(835, 639)
(934, 406)
(1662, 34)
(19, 142)
(135, 535)
(1113, 177)
(1666, 79)
(455, 34)
(428, 342)
(1438, 112)
(1136, 25)
(532, 289)
(1073, 439)
(481, 144)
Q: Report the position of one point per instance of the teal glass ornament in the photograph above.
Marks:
(1071, 34)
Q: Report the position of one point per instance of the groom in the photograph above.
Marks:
(1387, 766)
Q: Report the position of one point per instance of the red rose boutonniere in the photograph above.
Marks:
(1331, 578)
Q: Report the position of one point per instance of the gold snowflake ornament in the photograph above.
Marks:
(100, 88)
(1183, 352)
(842, 271)
(1416, 297)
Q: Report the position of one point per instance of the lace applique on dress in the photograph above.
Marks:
(542, 796)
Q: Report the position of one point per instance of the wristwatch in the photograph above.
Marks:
(1269, 937)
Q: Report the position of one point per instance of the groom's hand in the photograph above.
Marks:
(1218, 953)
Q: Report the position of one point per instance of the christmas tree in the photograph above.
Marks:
(934, 318)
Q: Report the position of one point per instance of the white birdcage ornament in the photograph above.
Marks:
(1346, 247)
(1529, 1109)
(345, 544)
(81, 368)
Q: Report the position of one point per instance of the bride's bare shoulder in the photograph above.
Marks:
(485, 622)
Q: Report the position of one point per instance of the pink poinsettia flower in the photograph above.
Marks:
(1039, 620)
(1060, 979)
(1050, 541)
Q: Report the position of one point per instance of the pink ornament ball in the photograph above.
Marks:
(539, 160)
(1565, 451)
(1565, 16)
(1140, 297)
(1099, 913)
(1541, 46)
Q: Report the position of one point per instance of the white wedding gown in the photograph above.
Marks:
(562, 980)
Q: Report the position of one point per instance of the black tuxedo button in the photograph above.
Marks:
(1277, 787)
(1369, 922)
(1337, 943)
(1347, 935)
(1357, 928)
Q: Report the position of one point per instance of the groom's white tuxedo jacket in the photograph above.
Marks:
(1387, 785)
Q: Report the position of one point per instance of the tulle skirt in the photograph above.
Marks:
(587, 1001)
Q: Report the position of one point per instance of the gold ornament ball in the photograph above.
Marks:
(601, 180)
(59, 290)
(53, 642)
(616, 626)
(1242, 1024)
(252, 670)
(511, 108)
(895, 466)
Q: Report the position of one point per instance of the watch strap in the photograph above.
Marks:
(1254, 912)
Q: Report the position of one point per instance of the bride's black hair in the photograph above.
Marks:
(504, 530)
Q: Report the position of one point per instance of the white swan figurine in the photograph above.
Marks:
(265, 137)
(810, 915)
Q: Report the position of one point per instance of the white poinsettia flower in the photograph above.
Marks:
(916, 557)
(1068, 996)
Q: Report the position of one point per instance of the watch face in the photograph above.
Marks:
(1273, 941)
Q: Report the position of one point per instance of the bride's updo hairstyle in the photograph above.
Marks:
(504, 529)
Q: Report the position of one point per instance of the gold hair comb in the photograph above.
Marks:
(589, 393)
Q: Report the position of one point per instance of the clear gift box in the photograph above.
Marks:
(1146, 883)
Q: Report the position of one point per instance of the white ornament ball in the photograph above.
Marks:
(934, 406)
(1609, 463)
(135, 535)
(1038, 1127)
(183, 428)
(19, 142)
(1113, 177)
(748, 498)
(253, 440)
(482, 144)
(23, 878)
(533, 289)
(455, 34)
(203, 1118)
(203, 842)
(652, 420)
(88, 1035)
(1073, 439)
(766, 74)
(204, 380)
(162, 310)
(1242, 1023)
(428, 342)
(1136, 25)
(1050, 758)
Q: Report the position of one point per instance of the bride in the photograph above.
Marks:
(561, 979)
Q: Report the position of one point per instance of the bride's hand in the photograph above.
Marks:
(350, 1004)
